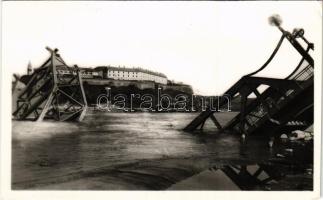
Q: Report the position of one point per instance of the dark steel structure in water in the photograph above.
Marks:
(51, 94)
(286, 105)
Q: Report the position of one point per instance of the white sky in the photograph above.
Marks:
(208, 45)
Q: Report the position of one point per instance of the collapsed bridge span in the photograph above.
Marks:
(50, 94)
(286, 105)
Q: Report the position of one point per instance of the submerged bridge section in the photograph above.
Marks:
(50, 94)
(286, 104)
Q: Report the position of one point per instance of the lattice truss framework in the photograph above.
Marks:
(280, 105)
(51, 93)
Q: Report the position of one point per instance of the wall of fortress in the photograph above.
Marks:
(139, 84)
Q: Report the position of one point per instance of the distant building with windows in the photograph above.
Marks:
(115, 73)
(134, 74)
(109, 76)
(89, 73)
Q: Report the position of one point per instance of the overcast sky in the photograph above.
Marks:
(208, 45)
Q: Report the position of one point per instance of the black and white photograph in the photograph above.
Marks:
(161, 97)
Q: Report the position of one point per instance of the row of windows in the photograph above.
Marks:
(120, 75)
(83, 72)
(141, 75)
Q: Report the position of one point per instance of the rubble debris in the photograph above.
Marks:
(309, 171)
(289, 150)
(271, 142)
(280, 155)
(283, 136)
(299, 135)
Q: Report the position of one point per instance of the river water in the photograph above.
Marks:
(89, 154)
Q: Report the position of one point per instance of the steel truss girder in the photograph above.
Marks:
(244, 87)
(51, 93)
(287, 89)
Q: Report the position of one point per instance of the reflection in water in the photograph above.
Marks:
(263, 176)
